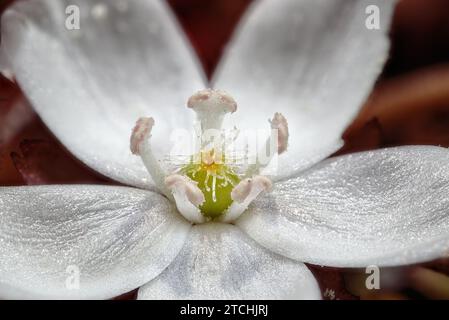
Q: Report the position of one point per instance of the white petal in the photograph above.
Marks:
(127, 60)
(218, 261)
(117, 238)
(313, 61)
(386, 207)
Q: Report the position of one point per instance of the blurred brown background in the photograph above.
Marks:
(410, 105)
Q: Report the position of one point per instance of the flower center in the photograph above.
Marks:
(208, 187)
(215, 179)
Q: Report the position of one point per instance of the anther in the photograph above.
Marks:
(279, 135)
(245, 193)
(188, 186)
(280, 124)
(188, 197)
(140, 133)
(140, 145)
(211, 106)
(249, 187)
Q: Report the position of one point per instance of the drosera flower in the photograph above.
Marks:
(312, 62)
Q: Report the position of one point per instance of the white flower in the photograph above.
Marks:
(312, 61)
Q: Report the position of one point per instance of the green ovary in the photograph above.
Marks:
(216, 181)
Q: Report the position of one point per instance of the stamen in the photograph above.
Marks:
(188, 197)
(245, 193)
(193, 193)
(280, 124)
(140, 145)
(140, 133)
(279, 132)
(211, 106)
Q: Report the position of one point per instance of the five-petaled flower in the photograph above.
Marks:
(309, 62)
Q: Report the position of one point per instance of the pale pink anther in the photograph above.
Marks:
(211, 106)
(279, 123)
(140, 134)
(176, 182)
(188, 197)
(212, 100)
(245, 193)
(250, 187)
